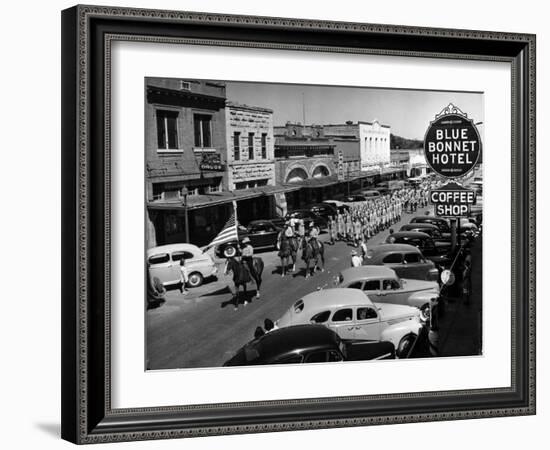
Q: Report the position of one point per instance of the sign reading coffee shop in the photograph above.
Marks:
(452, 144)
(452, 200)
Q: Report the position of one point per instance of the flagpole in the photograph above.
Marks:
(236, 221)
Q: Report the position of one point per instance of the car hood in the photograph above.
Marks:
(390, 311)
(285, 320)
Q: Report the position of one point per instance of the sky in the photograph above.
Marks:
(407, 112)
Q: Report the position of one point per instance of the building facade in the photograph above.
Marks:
(250, 147)
(413, 160)
(185, 144)
(364, 145)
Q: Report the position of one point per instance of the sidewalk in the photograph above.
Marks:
(460, 327)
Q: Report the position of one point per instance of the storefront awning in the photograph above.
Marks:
(219, 198)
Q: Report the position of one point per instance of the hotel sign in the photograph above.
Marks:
(452, 144)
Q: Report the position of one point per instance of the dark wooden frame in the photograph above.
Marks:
(87, 32)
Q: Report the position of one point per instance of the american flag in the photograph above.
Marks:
(229, 231)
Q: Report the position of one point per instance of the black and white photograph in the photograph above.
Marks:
(296, 224)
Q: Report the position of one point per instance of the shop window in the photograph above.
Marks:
(236, 146)
(158, 191)
(264, 145)
(203, 130)
(167, 130)
(250, 145)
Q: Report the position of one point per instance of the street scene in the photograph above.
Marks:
(286, 225)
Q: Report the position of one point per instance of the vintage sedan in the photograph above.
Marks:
(382, 285)
(340, 206)
(324, 210)
(351, 314)
(407, 261)
(307, 344)
(436, 251)
(262, 234)
(309, 218)
(164, 263)
(440, 222)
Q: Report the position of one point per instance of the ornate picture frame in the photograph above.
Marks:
(88, 33)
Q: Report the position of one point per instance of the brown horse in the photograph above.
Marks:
(288, 251)
(242, 275)
(313, 250)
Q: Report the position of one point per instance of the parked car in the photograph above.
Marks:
(440, 222)
(308, 344)
(351, 314)
(434, 232)
(308, 217)
(354, 198)
(325, 210)
(340, 206)
(382, 285)
(437, 251)
(373, 194)
(407, 261)
(164, 263)
(430, 229)
(262, 234)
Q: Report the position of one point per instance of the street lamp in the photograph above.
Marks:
(184, 194)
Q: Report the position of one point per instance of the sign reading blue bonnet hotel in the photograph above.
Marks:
(452, 144)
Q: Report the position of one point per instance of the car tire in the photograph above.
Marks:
(230, 251)
(425, 312)
(404, 346)
(195, 279)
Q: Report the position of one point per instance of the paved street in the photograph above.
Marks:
(202, 329)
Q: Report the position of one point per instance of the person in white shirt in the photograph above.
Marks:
(184, 277)
(355, 259)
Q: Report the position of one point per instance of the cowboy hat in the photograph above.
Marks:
(246, 240)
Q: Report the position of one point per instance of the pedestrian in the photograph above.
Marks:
(355, 259)
(363, 249)
(184, 277)
(258, 332)
(357, 231)
(247, 254)
(269, 326)
(467, 282)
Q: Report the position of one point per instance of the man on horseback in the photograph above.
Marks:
(286, 243)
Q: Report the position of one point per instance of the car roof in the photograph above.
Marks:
(334, 297)
(409, 226)
(285, 341)
(324, 205)
(410, 234)
(360, 273)
(173, 247)
(389, 248)
(260, 222)
(428, 218)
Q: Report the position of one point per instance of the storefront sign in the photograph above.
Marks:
(341, 175)
(211, 162)
(452, 144)
(452, 200)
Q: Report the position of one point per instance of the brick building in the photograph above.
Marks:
(185, 143)
(250, 156)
